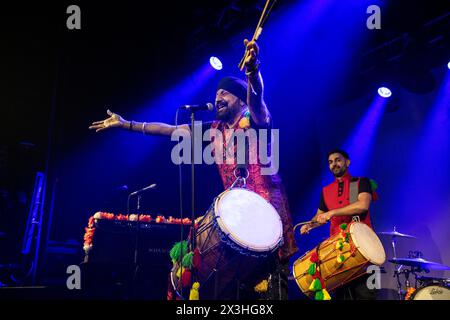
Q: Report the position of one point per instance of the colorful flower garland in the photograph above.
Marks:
(146, 218)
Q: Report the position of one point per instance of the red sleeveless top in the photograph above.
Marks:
(269, 187)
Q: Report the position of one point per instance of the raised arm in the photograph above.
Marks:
(255, 95)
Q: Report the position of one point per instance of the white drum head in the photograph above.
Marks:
(432, 293)
(249, 220)
(368, 243)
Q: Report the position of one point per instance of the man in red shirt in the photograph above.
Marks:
(240, 105)
(340, 201)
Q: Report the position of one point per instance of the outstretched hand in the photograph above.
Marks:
(114, 121)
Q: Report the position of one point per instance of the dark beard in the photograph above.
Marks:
(224, 116)
(340, 173)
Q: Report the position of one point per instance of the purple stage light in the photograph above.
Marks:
(384, 92)
(216, 63)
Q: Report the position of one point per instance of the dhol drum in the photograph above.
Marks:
(432, 292)
(363, 248)
(235, 238)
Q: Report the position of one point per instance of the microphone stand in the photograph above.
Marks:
(138, 226)
(193, 235)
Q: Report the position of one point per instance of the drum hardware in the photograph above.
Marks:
(420, 264)
(398, 267)
(416, 265)
(394, 234)
(240, 178)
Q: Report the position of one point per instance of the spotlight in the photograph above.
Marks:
(384, 92)
(448, 65)
(215, 63)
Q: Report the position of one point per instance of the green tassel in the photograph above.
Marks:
(347, 237)
(319, 295)
(312, 269)
(339, 245)
(316, 285)
(176, 251)
(187, 260)
(247, 114)
(373, 184)
(343, 226)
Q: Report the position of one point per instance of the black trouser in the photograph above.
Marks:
(276, 272)
(356, 290)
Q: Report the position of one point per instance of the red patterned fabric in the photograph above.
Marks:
(269, 187)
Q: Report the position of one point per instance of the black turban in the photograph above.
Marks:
(234, 86)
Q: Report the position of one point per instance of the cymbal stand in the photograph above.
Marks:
(397, 268)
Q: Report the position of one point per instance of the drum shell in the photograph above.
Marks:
(333, 273)
(223, 262)
(432, 292)
(226, 262)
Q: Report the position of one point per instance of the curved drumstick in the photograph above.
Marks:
(307, 222)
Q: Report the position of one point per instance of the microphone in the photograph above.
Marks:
(197, 107)
(152, 186)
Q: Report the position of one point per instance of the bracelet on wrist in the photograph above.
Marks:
(251, 71)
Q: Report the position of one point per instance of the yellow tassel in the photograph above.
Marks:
(326, 295)
(244, 123)
(179, 272)
(311, 286)
(339, 245)
(193, 294)
(262, 286)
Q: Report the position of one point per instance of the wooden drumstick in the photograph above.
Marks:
(257, 33)
(307, 222)
(302, 223)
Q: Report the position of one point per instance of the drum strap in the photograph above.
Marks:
(354, 191)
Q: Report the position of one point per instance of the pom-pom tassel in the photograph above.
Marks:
(326, 295)
(194, 294)
(186, 278)
(315, 285)
(312, 269)
(197, 259)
